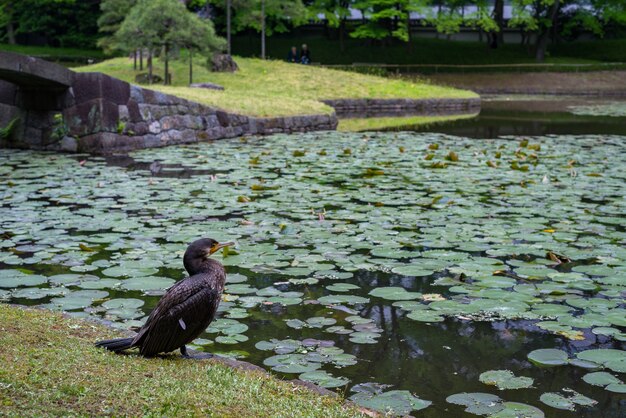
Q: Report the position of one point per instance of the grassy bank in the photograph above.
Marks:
(275, 88)
(49, 367)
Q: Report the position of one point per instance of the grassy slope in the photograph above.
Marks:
(273, 88)
(49, 367)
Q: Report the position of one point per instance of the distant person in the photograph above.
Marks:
(305, 55)
(293, 55)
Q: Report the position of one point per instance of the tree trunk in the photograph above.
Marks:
(263, 29)
(190, 66)
(135, 60)
(150, 66)
(167, 66)
(542, 38)
(342, 35)
(498, 16)
(228, 28)
(141, 59)
(11, 33)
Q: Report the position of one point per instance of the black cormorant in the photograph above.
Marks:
(186, 309)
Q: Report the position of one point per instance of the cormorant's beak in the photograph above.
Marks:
(218, 246)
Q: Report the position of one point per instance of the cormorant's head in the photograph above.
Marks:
(199, 251)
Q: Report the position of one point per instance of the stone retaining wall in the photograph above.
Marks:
(389, 107)
(143, 118)
(102, 115)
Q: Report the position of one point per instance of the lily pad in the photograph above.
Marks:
(505, 379)
(394, 402)
(548, 357)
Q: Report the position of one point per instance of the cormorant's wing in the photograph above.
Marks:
(181, 315)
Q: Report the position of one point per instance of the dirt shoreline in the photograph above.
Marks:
(593, 83)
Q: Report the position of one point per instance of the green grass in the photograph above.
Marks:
(432, 51)
(49, 367)
(53, 53)
(375, 124)
(276, 88)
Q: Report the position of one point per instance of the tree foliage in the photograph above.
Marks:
(113, 14)
(68, 23)
(164, 25)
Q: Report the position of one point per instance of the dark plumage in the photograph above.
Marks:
(186, 309)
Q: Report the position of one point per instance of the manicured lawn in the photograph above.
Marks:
(273, 88)
(49, 367)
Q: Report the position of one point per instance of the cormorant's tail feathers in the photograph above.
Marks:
(116, 345)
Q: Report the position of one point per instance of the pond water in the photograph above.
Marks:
(397, 267)
(529, 115)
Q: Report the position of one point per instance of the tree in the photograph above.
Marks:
(165, 25)
(543, 17)
(62, 22)
(199, 36)
(269, 16)
(6, 20)
(386, 19)
(335, 12)
(113, 14)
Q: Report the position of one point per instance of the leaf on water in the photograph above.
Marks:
(505, 379)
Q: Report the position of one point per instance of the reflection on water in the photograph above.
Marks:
(525, 116)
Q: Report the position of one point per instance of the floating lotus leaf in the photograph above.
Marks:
(557, 401)
(477, 403)
(361, 337)
(227, 327)
(394, 402)
(589, 365)
(425, 316)
(610, 358)
(240, 289)
(291, 363)
(34, 292)
(600, 379)
(342, 287)
(505, 379)
(235, 278)
(15, 278)
(338, 330)
(324, 379)
(548, 357)
(122, 271)
(99, 284)
(394, 293)
(279, 346)
(616, 388)
(517, 410)
(231, 339)
(121, 303)
(320, 322)
(412, 270)
(337, 299)
(296, 323)
(77, 300)
(147, 283)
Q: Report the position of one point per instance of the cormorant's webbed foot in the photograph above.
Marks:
(196, 356)
(183, 352)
